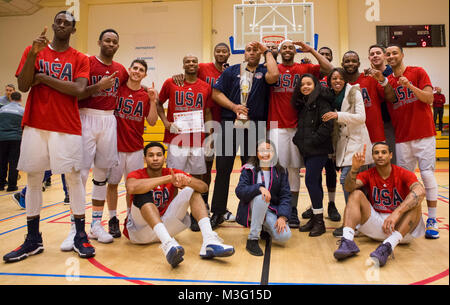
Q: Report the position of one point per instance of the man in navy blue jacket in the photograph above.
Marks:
(227, 94)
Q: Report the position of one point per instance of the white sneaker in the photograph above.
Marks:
(98, 232)
(173, 252)
(213, 246)
(228, 216)
(67, 244)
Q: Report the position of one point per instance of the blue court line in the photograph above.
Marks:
(150, 279)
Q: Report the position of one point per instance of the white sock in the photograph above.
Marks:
(332, 196)
(394, 239)
(205, 226)
(112, 213)
(432, 212)
(317, 211)
(348, 233)
(161, 232)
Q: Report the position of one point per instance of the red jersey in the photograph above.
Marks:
(373, 95)
(412, 119)
(47, 108)
(106, 99)
(324, 81)
(162, 194)
(209, 73)
(190, 97)
(133, 107)
(387, 195)
(280, 108)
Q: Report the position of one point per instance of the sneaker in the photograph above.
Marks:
(173, 252)
(98, 232)
(213, 246)
(339, 232)
(194, 224)
(114, 229)
(382, 253)
(294, 222)
(307, 214)
(82, 246)
(216, 220)
(228, 216)
(19, 199)
(253, 247)
(333, 213)
(67, 244)
(12, 188)
(31, 246)
(66, 200)
(346, 249)
(432, 231)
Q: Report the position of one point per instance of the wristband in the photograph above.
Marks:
(384, 83)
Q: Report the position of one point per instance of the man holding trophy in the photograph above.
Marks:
(243, 92)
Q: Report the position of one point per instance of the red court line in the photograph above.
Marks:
(432, 278)
(94, 262)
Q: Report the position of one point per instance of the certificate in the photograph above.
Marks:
(189, 121)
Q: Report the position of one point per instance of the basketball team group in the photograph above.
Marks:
(286, 118)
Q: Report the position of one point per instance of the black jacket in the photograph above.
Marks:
(313, 137)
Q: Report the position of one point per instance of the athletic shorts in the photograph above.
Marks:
(421, 151)
(373, 228)
(176, 219)
(128, 162)
(287, 152)
(43, 150)
(99, 132)
(188, 159)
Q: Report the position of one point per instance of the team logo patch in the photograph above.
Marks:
(258, 75)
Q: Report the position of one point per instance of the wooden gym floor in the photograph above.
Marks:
(303, 260)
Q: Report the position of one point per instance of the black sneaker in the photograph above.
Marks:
(114, 229)
(333, 213)
(82, 246)
(216, 220)
(31, 246)
(307, 214)
(12, 188)
(294, 222)
(253, 247)
(194, 224)
(339, 232)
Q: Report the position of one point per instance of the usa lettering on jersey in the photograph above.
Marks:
(128, 109)
(286, 82)
(56, 70)
(384, 200)
(161, 198)
(185, 100)
(107, 92)
(404, 96)
(366, 97)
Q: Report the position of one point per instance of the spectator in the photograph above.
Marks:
(438, 106)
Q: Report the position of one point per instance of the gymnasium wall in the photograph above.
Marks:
(166, 31)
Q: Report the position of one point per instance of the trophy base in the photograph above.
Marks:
(241, 123)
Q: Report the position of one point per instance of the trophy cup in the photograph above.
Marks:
(245, 84)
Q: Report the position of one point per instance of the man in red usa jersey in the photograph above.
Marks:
(392, 210)
(415, 134)
(57, 75)
(161, 198)
(135, 104)
(99, 135)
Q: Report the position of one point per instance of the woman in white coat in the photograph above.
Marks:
(350, 133)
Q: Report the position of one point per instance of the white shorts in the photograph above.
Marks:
(373, 228)
(99, 138)
(288, 154)
(128, 162)
(176, 219)
(43, 150)
(188, 159)
(421, 151)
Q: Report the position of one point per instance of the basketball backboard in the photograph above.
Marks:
(272, 21)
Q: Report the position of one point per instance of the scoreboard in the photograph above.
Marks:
(412, 36)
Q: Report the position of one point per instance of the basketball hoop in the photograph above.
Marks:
(276, 39)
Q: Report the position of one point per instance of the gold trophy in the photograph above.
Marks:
(245, 84)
